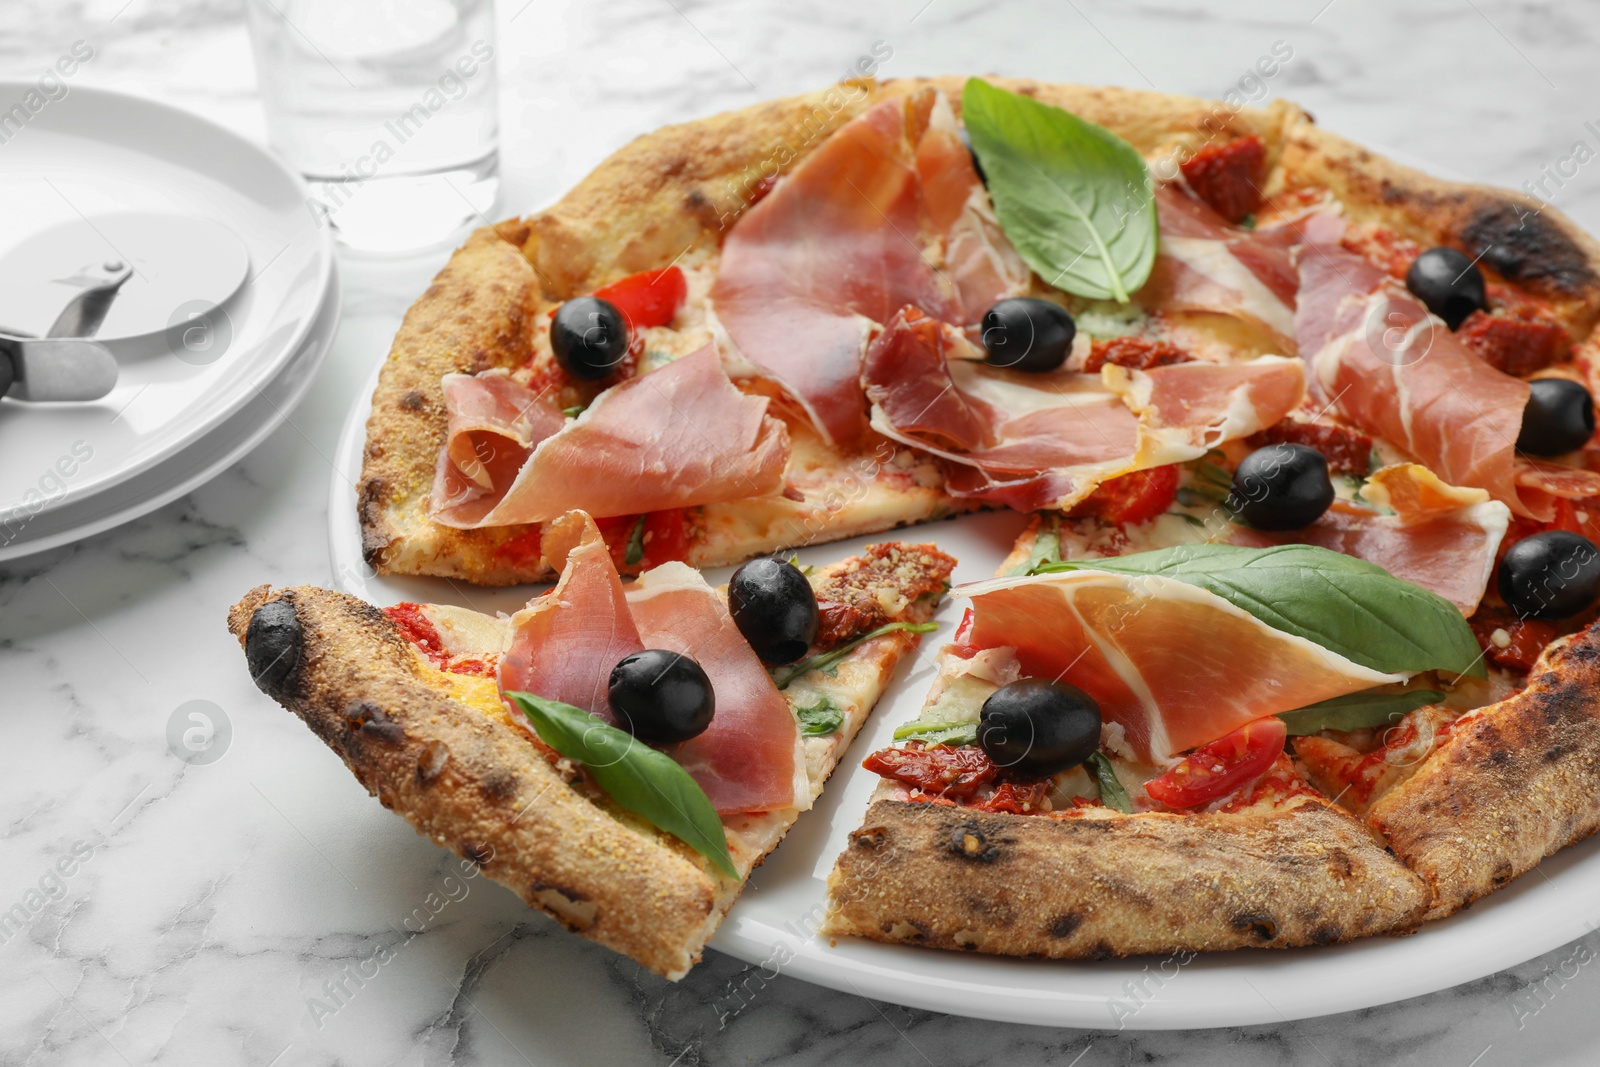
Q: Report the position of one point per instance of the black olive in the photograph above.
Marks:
(775, 608)
(1037, 728)
(1559, 417)
(1448, 282)
(1022, 333)
(1281, 487)
(966, 139)
(661, 696)
(1550, 575)
(589, 337)
(272, 645)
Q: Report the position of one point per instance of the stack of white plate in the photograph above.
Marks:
(71, 470)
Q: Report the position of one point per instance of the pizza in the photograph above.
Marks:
(1296, 647)
(412, 698)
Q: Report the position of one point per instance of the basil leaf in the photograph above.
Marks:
(639, 778)
(1112, 795)
(1046, 549)
(1354, 711)
(635, 553)
(939, 733)
(575, 411)
(1344, 604)
(827, 659)
(821, 718)
(1073, 198)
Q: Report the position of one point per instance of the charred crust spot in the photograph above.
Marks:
(1101, 951)
(1553, 753)
(431, 761)
(479, 854)
(272, 646)
(1264, 927)
(573, 910)
(1503, 873)
(1524, 246)
(1064, 925)
(413, 400)
(970, 843)
(870, 838)
(500, 784)
(1339, 863)
(371, 721)
(1325, 934)
(1500, 757)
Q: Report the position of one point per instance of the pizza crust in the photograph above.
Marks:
(1516, 783)
(1102, 885)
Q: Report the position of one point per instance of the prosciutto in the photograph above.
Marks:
(850, 237)
(565, 643)
(1440, 537)
(1391, 369)
(1207, 264)
(1046, 441)
(676, 437)
(494, 423)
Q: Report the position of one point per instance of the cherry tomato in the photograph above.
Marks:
(649, 298)
(1217, 769)
(945, 770)
(1133, 498)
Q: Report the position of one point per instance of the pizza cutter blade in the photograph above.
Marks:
(87, 310)
(55, 369)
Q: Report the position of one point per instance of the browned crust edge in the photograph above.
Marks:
(495, 800)
(1507, 789)
(1116, 885)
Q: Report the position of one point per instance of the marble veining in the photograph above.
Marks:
(263, 910)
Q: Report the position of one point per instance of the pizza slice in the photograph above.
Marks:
(552, 791)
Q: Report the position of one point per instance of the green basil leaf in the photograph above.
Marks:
(1046, 549)
(1112, 795)
(1354, 711)
(1344, 604)
(821, 718)
(635, 553)
(1074, 199)
(575, 411)
(785, 675)
(639, 778)
(939, 733)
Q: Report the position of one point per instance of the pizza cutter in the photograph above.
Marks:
(64, 365)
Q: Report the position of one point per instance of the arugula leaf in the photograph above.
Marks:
(635, 553)
(939, 733)
(827, 659)
(1075, 199)
(1375, 707)
(821, 718)
(1112, 795)
(575, 411)
(1344, 604)
(639, 778)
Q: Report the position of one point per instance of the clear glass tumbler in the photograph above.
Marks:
(389, 110)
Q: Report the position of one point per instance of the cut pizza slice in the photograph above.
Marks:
(1178, 822)
(495, 738)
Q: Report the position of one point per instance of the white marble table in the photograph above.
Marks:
(216, 901)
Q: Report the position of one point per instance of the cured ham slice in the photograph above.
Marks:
(747, 759)
(1441, 537)
(1047, 440)
(1174, 665)
(565, 643)
(1207, 264)
(676, 437)
(494, 423)
(848, 238)
(1387, 366)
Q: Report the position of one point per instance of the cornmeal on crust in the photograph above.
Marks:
(1100, 885)
(442, 750)
(669, 197)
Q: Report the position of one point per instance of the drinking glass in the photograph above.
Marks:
(389, 110)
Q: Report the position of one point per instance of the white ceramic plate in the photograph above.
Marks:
(94, 153)
(202, 460)
(773, 923)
